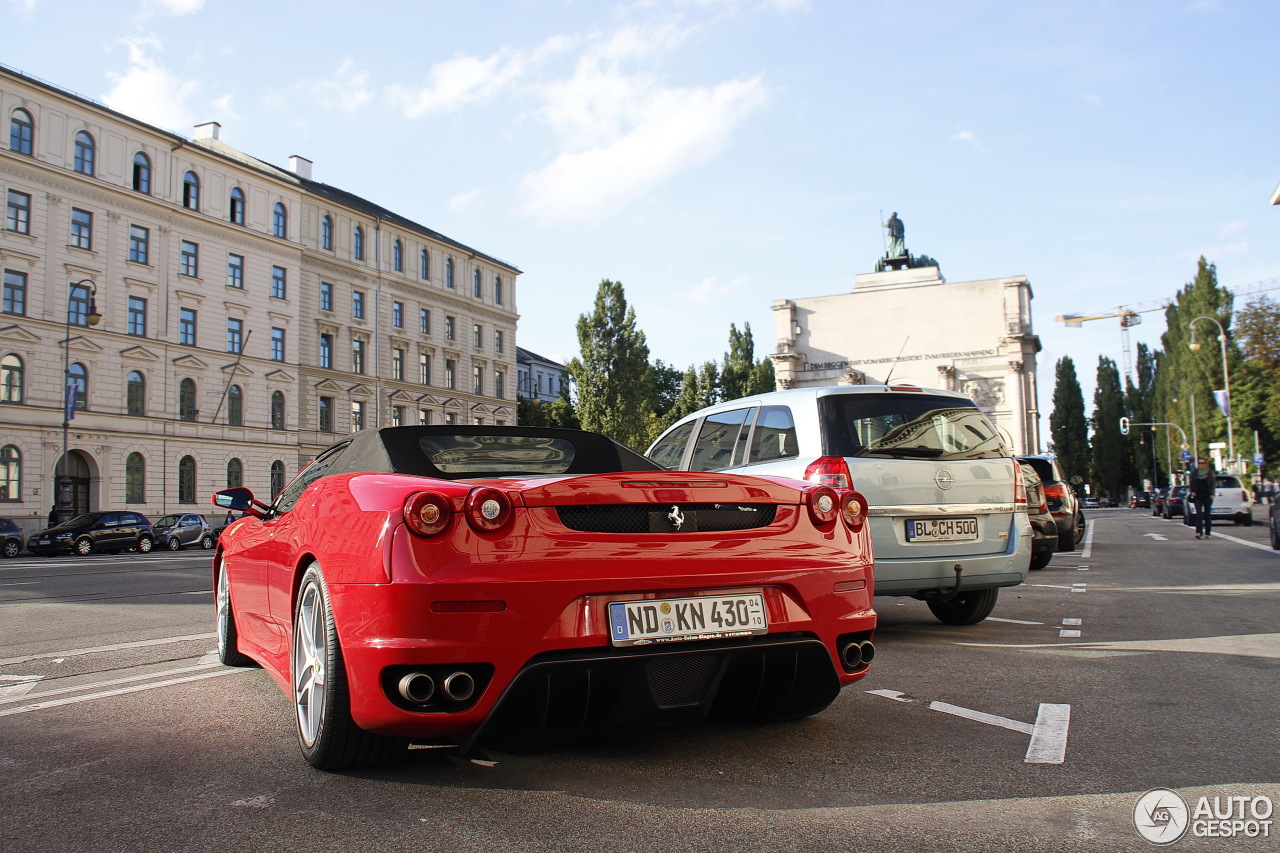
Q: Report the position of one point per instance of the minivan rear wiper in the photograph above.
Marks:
(924, 452)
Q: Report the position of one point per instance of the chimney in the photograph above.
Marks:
(300, 166)
(208, 130)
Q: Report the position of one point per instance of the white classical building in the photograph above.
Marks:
(911, 326)
(248, 315)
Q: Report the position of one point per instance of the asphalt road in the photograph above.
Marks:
(1148, 660)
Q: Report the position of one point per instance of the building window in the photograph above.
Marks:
(357, 305)
(357, 243)
(326, 296)
(475, 284)
(499, 383)
(235, 212)
(397, 364)
(424, 321)
(78, 306)
(142, 173)
(136, 394)
(326, 350)
(78, 380)
(11, 379)
(190, 261)
(326, 414)
(450, 374)
(235, 406)
(235, 271)
(21, 132)
(82, 229)
(187, 400)
(357, 415)
(186, 480)
(18, 212)
(449, 331)
(15, 293)
(277, 410)
(277, 478)
(278, 287)
(187, 326)
(424, 417)
(191, 191)
(235, 473)
(497, 340)
(497, 290)
(357, 356)
(448, 272)
(477, 380)
(139, 244)
(277, 344)
(424, 265)
(397, 256)
(83, 160)
(279, 221)
(326, 233)
(397, 314)
(397, 415)
(450, 418)
(235, 334)
(477, 336)
(135, 479)
(424, 368)
(137, 316)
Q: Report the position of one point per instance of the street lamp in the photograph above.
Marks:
(63, 508)
(1226, 378)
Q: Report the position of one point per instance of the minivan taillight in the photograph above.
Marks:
(830, 471)
(1019, 488)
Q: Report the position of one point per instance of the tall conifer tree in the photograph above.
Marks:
(1068, 428)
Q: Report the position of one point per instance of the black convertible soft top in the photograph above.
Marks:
(468, 452)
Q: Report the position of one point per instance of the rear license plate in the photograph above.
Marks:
(942, 529)
(671, 620)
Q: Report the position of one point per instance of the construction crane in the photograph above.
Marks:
(1131, 315)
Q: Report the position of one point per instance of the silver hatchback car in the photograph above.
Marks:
(948, 508)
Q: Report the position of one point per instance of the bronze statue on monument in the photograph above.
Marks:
(896, 256)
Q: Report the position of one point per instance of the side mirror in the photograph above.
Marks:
(239, 499)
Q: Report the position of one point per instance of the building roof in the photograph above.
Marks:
(524, 356)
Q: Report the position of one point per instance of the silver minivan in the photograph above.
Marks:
(948, 509)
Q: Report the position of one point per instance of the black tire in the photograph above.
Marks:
(328, 737)
(172, 543)
(12, 548)
(1275, 535)
(1040, 559)
(206, 542)
(228, 638)
(83, 546)
(145, 544)
(1247, 520)
(967, 608)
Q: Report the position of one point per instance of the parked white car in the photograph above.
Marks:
(1231, 501)
(948, 510)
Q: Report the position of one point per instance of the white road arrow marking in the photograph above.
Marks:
(20, 685)
(1157, 537)
(1048, 733)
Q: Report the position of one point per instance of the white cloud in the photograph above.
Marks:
(26, 7)
(466, 202)
(971, 138)
(171, 7)
(345, 91)
(711, 292)
(149, 92)
(458, 82)
(1234, 227)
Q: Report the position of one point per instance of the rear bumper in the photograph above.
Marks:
(918, 577)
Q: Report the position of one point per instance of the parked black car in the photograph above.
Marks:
(1140, 500)
(111, 532)
(182, 531)
(1044, 530)
(1064, 505)
(10, 538)
(1174, 503)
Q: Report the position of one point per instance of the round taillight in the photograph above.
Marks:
(853, 509)
(488, 509)
(824, 505)
(426, 513)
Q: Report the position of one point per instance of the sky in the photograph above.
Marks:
(716, 155)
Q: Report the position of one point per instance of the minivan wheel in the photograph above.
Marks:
(1040, 559)
(172, 543)
(967, 608)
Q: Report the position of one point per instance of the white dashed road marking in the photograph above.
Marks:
(1048, 733)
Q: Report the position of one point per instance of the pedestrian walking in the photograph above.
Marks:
(1203, 486)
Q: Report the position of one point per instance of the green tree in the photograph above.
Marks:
(1112, 469)
(709, 385)
(1140, 406)
(739, 361)
(1068, 429)
(1255, 388)
(559, 413)
(612, 376)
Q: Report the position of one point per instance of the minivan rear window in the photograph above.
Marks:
(906, 426)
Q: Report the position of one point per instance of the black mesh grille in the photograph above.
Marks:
(666, 518)
(682, 680)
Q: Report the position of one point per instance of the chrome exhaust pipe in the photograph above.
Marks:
(868, 652)
(459, 686)
(851, 655)
(417, 687)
